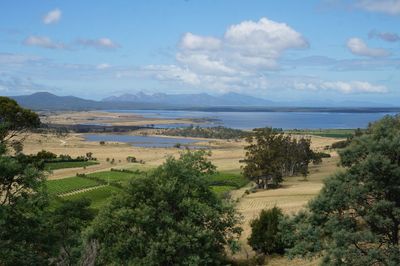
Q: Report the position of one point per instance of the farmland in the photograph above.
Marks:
(62, 165)
(99, 187)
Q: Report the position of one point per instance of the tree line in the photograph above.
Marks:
(219, 132)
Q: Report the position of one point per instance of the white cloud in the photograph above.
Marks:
(265, 38)
(345, 87)
(52, 17)
(194, 42)
(204, 63)
(391, 7)
(241, 58)
(249, 44)
(103, 66)
(359, 47)
(44, 42)
(101, 43)
(172, 73)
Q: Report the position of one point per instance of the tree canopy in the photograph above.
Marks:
(169, 217)
(271, 155)
(31, 233)
(14, 119)
(355, 220)
(266, 236)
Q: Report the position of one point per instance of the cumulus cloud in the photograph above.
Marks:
(243, 58)
(386, 36)
(52, 17)
(264, 38)
(249, 44)
(101, 43)
(359, 47)
(194, 42)
(391, 7)
(44, 42)
(172, 73)
(345, 87)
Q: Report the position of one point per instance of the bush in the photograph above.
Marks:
(45, 155)
(341, 144)
(266, 237)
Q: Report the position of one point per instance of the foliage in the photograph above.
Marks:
(355, 220)
(15, 119)
(219, 132)
(341, 144)
(45, 155)
(271, 155)
(266, 233)
(29, 232)
(169, 217)
(68, 220)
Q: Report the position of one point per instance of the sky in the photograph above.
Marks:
(286, 50)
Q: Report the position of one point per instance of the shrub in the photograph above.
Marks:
(266, 237)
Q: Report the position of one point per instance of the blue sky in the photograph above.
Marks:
(315, 51)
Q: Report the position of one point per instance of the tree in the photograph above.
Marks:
(68, 220)
(169, 217)
(14, 119)
(46, 155)
(266, 235)
(23, 227)
(271, 155)
(355, 220)
(264, 157)
(29, 231)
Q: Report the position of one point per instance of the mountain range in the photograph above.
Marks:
(198, 100)
(201, 101)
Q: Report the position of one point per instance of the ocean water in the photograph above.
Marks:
(284, 120)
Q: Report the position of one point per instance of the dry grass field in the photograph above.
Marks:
(291, 197)
(97, 117)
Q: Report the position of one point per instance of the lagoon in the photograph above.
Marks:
(144, 141)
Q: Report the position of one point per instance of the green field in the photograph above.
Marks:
(66, 185)
(114, 176)
(330, 133)
(221, 183)
(62, 165)
(227, 179)
(98, 196)
(221, 190)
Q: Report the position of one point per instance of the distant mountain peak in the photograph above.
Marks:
(197, 99)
